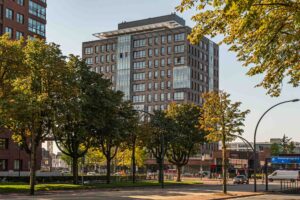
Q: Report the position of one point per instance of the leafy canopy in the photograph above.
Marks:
(264, 33)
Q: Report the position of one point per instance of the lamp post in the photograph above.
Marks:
(254, 143)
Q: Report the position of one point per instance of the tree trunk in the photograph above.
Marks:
(224, 165)
(178, 174)
(160, 174)
(32, 166)
(108, 163)
(75, 170)
(133, 162)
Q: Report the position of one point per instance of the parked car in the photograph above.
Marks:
(240, 179)
(291, 175)
(91, 174)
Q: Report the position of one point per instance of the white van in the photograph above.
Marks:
(285, 175)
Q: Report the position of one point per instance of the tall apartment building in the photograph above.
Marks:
(18, 18)
(152, 62)
(25, 18)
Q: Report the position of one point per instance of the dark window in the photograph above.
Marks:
(3, 165)
(20, 18)
(3, 143)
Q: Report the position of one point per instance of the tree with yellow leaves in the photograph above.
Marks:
(222, 120)
(264, 33)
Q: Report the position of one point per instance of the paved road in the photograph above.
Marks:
(150, 193)
(272, 197)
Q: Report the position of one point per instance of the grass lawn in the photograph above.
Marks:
(23, 188)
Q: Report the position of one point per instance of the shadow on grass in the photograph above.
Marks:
(6, 188)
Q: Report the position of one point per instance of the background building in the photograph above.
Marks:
(18, 18)
(25, 18)
(153, 64)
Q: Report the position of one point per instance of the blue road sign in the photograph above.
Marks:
(285, 160)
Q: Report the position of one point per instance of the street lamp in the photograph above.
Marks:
(254, 143)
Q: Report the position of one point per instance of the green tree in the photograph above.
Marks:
(275, 149)
(264, 33)
(291, 148)
(186, 136)
(156, 136)
(73, 128)
(284, 143)
(222, 119)
(28, 109)
(112, 133)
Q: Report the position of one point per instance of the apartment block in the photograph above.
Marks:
(19, 18)
(152, 62)
(25, 18)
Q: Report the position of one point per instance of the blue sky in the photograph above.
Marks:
(70, 22)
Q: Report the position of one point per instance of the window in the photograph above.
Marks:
(155, 86)
(163, 51)
(162, 85)
(88, 50)
(149, 41)
(155, 63)
(9, 14)
(169, 96)
(179, 37)
(17, 164)
(3, 165)
(162, 97)
(163, 39)
(19, 35)
(9, 31)
(20, 18)
(156, 52)
(169, 38)
(3, 143)
(139, 54)
(139, 76)
(169, 73)
(169, 50)
(149, 86)
(20, 2)
(103, 47)
(139, 87)
(113, 47)
(179, 49)
(162, 62)
(155, 97)
(102, 59)
(107, 58)
(139, 43)
(149, 75)
(89, 61)
(150, 63)
(149, 97)
(108, 47)
(37, 10)
(138, 99)
(155, 74)
(139, 65)
(179, 60)
(169, 84)
(162, 73)
(179, 96)
(36, 27)
(156, 40)
(169, 61)
(150, 52)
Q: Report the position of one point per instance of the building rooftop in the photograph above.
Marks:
(162, 22)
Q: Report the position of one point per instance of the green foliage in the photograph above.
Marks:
(264, 33)
(275, 149)
(222, 120)
(186, 136)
